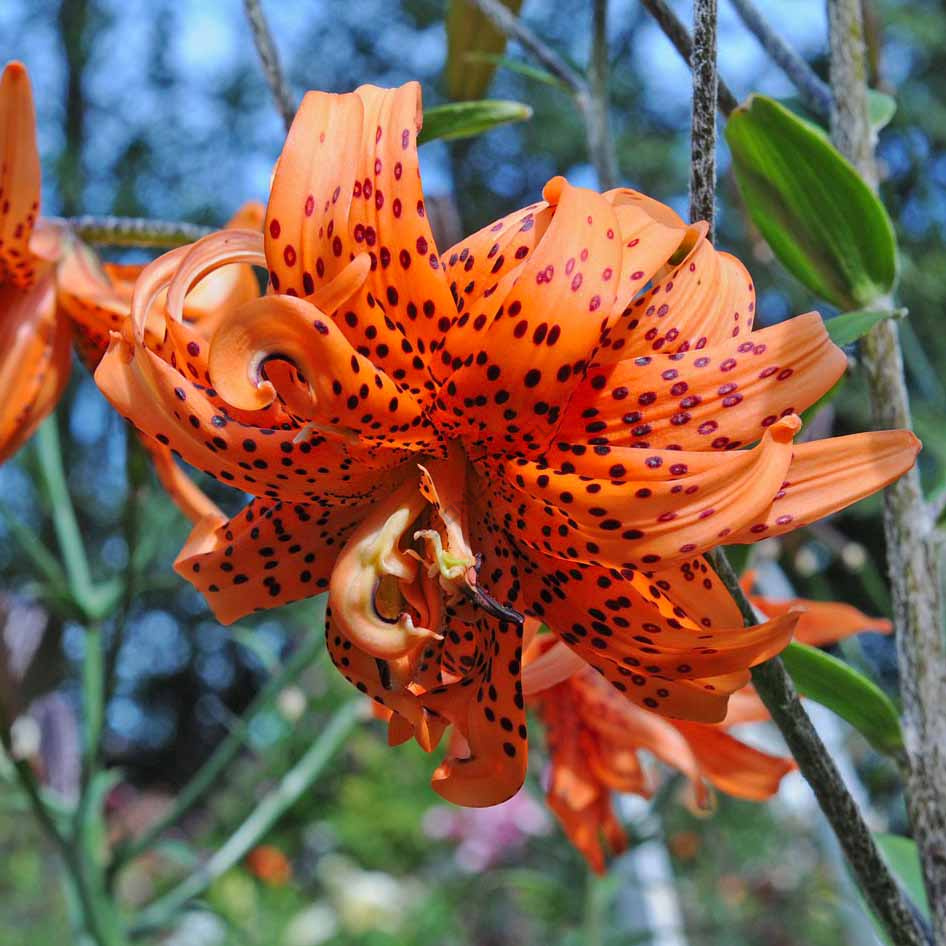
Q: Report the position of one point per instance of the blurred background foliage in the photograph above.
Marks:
(159, 108)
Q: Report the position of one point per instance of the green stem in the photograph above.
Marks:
(93, 698)
(208, 775)
(68, 534)
(133, 231)
(101, 928)
(291, 787)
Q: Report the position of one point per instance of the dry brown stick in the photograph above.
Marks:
(269, 58)
(912, 547)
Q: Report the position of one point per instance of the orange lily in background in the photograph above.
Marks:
(820, 622)
(34, 342)
(518, 426)
(594, 736)
(54, 290)
(96, 297)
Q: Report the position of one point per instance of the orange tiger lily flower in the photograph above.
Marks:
(35, 344)
(518, 426)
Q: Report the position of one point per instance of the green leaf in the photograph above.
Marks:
(903, 859)
(469, 30)
(880, 108)
(467, 119)
(849, 327)
(822, 221)
(516, 65)
(845, 691)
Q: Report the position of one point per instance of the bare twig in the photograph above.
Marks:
(591, 97)
(600, 141)
(133, 231)
(912, 554)
(815, 93)
(269, 59)
(514, 28)
(892, 907)
(676, 31)
(703, 115)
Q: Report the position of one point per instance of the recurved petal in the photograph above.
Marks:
(823, 622)
(270, 554)
(349, 395)
(477, 268)
(719, 397)
(551, 318)
(705, 300)
(19, 177)
(308, 240)
(34, 366)
(289, 464)
(637, 523)
(660, 660)
(733, 766)
(828, 475)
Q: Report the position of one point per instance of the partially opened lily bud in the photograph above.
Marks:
(554, 418)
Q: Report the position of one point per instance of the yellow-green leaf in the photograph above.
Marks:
(903, 859)
(469, 30)
(467, 119)
(820, 218)
(845, 691)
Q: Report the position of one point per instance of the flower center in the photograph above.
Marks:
(407, 563)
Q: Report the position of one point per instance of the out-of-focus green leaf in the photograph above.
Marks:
(903, 859)
(849, 327)
(469, 30)
(881, 108)
(845, 691)
(468, 119)
(516, 65)
(822, 221)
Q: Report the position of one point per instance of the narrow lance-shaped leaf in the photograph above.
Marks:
(848, 328)
(468, 119)
(820, 218)
(469, 30)
(845, 691)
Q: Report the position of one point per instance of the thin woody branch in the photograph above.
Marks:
(703, 115)
(896, 912)
(591, 96)
(269, 59)
(515, 29)
(912, 545)
(675, 30)
(815, 93)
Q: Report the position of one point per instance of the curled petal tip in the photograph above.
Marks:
(552, 192)
(785, 429)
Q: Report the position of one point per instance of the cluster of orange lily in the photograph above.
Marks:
(551, 421)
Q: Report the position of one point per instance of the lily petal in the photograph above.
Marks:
(19, 177)
(828, 475)
(720, 397)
